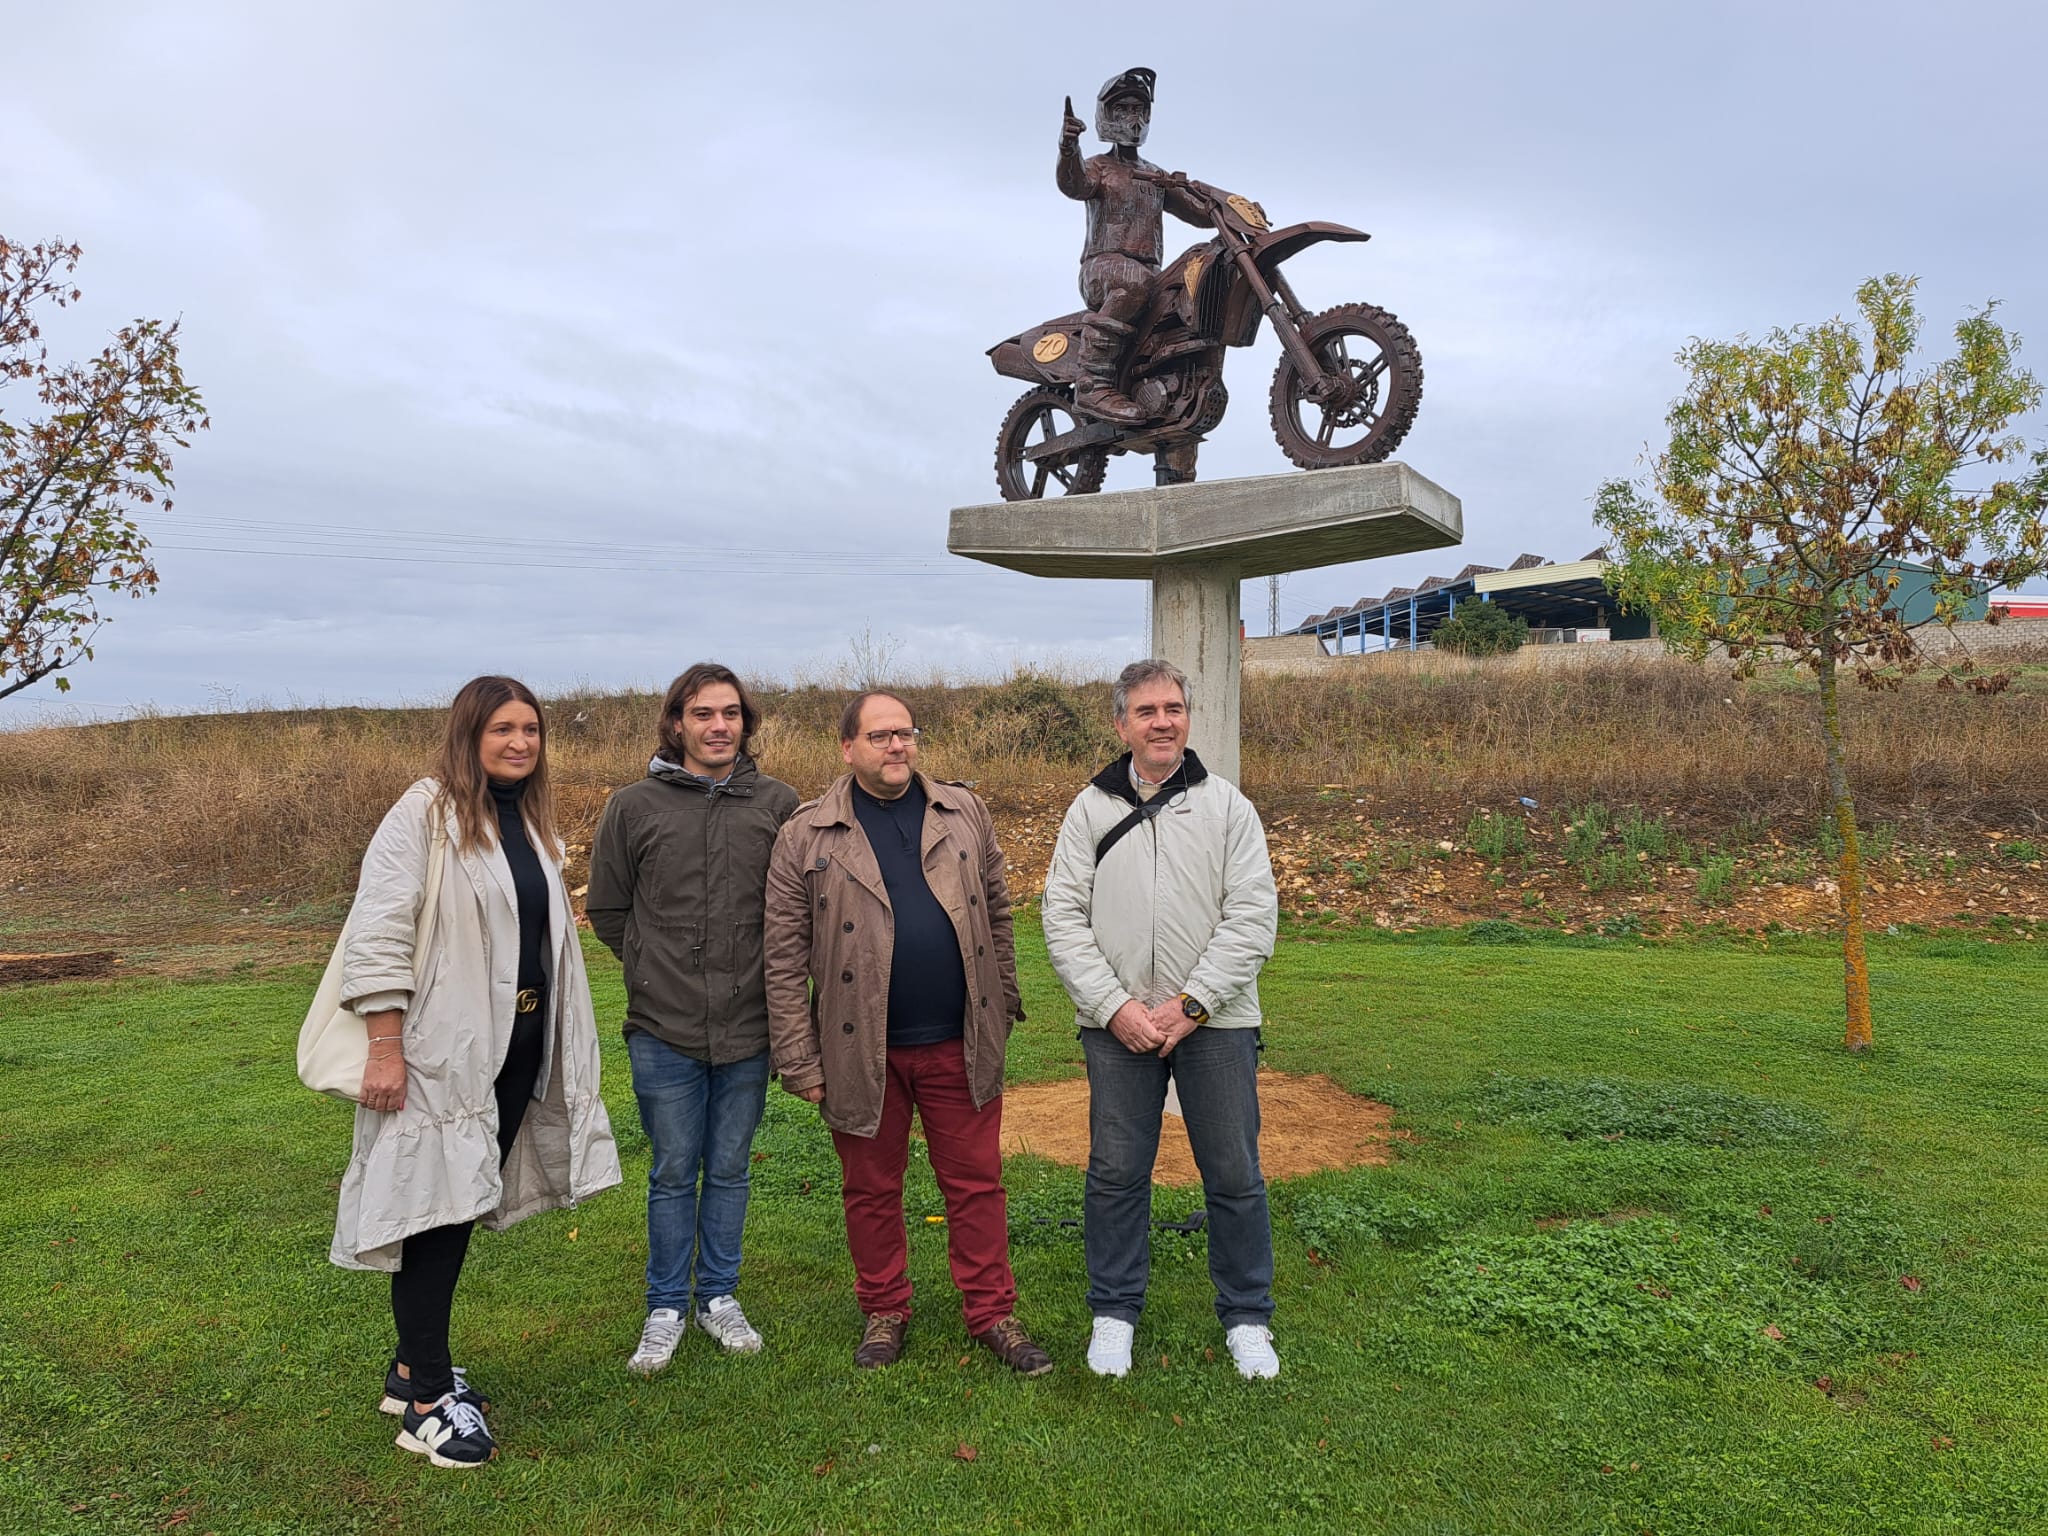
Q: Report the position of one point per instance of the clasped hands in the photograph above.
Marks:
(1157, 1029)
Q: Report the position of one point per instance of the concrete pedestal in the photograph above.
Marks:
(1196, 544)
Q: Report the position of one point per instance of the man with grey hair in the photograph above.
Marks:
(1159, 911)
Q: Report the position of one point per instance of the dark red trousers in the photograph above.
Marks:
(966, 1152)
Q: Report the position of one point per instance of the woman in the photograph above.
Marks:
(480, 1099)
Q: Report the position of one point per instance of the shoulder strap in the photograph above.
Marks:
(1142, 812)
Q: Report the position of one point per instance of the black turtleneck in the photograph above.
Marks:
(527, 880)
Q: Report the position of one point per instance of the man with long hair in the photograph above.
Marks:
(677, 874)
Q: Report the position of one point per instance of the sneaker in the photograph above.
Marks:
(881, 1341)
(722, 1318)
(658, 1341)
(1109, 1347)
(449, 1434)
(1251, 1346)
(398, 1391)
(1009, 1343)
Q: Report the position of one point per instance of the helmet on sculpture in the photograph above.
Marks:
(1123, 107)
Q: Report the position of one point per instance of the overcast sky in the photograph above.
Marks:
(583, 342)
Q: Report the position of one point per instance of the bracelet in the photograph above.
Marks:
(387, 1040)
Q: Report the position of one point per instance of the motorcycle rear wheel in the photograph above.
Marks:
(1039, 416)
(1381, 372)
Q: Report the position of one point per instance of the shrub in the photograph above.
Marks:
(1481, 629)
(1033, 715)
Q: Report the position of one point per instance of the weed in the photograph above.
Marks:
(1647, 1291)
(1496, 837)
(1642, 834)
(1493, 930)
(1613, 1108)
(1717, 877)
(1336, 1223)
(1362, 873)
(2019, 851)
(1584, 833)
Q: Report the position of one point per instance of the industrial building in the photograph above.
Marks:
(1562, 604)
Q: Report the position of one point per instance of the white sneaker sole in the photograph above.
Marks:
(407, 1442)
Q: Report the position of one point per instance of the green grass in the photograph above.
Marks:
(1648, 1203)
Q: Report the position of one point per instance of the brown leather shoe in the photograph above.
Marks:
(1009, 1343)
(881, 1341)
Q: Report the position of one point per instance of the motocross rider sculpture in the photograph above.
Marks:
(1126, 234)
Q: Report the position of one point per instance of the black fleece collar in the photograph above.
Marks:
(1116, 778)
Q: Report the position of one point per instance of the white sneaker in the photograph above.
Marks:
(1109, 1347)
(658, 1341)
(1251, 1346)
(722, 1318)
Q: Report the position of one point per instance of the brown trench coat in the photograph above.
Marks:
(831, 936)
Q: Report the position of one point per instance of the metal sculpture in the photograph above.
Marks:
(1141, 369)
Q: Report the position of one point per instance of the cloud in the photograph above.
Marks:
(663, 278)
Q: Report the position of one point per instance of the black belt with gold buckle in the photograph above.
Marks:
(527, 1000)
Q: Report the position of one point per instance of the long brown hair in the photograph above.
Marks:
(460, 766)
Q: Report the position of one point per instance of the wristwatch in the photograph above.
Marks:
(1193, 1009)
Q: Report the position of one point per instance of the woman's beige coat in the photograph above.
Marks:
(436, 1160)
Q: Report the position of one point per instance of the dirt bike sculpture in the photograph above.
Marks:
(1345, 392)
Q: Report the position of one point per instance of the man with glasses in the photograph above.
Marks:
(892, 986)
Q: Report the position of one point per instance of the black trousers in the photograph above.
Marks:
(423, 1290)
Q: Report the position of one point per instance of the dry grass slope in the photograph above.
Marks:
(283, 801)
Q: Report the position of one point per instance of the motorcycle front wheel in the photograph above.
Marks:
(1371, 389)
(1038, 417)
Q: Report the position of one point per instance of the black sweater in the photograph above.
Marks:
(528, 880)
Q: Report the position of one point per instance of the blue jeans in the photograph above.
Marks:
(699, 1119)
(1216, 1072)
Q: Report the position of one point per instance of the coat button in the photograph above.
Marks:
(821, 862)
(974, 901)
(963, 853)
(846, 1029)
(846, 927)
(984, 1002)
(821, 901)
(846, 975)
(978, 949)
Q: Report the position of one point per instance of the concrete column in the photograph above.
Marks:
(1195, 616)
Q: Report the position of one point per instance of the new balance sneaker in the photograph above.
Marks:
(1251, 1346)
(722, 1318)
(452, 1434)
(1009, 1343)
(398, 1391)
(1109, 1347)
(658, 1341)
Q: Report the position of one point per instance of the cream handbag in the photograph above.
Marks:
(334, 1043)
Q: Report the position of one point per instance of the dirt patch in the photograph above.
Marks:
(72, 967)
(1306, 1124)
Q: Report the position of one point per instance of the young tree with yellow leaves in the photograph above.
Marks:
(1803, 471)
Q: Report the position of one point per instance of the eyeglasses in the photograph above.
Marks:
(907, 735)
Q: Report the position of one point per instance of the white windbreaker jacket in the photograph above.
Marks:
(1183, 902)
(436, 1160)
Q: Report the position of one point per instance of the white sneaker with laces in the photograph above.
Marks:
(722, 1318)
(1109, 1347)
(658, 1341)
(1251, 1346)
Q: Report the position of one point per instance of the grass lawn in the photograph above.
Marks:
(1648, 1205)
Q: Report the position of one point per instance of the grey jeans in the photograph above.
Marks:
(1216, 1072)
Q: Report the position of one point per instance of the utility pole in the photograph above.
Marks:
(1273, 605)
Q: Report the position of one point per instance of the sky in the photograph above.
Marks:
(581, 343)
